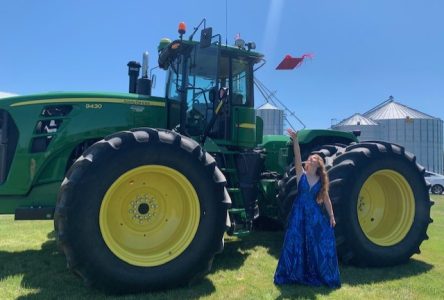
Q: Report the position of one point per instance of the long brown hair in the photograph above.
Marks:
(325, 183)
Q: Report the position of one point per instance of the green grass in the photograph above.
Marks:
(32, 267)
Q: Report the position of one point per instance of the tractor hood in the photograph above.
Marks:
(75, 97)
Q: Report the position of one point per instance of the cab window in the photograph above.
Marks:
(174, 80)
(239, 82)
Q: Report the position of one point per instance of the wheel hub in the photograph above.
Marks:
(142, 209)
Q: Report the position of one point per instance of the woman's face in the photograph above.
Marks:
(312, 163)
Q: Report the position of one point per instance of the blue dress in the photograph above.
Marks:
(309, 252)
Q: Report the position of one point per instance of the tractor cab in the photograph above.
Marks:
(209, 89)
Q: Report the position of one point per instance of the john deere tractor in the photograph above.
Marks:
(142, 189)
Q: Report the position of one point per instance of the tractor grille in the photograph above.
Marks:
(8, 143)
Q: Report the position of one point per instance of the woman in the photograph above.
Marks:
(309, 251)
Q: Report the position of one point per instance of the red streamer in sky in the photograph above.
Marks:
(289, 62)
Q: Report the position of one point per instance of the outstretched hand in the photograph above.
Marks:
(293, 134)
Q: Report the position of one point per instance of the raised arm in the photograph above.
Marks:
(297, 153)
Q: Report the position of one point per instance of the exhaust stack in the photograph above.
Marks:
(144, 83)
(145, 64)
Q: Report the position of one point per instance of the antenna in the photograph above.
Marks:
(271, 97)
(226, 22)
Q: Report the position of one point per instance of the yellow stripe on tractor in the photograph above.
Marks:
(98, 100)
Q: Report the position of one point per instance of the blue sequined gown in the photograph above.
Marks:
(309, 252)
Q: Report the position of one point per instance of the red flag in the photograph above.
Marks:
(289, 62)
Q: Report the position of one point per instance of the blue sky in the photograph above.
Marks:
(364, 51)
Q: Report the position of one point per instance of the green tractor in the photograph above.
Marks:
(142, 189)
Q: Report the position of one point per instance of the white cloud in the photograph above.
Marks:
(5, 94)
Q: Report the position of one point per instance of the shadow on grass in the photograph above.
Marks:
(357, 276)
(237, 250)
(45, 275)
(301, 291)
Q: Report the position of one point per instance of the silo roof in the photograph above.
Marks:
(267, 106)
(394, 110)
(356, 119)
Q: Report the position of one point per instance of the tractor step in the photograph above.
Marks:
(240, 226)
(228, 170)
(34, 213)
(229, 152)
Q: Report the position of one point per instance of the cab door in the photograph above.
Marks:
(243, 115)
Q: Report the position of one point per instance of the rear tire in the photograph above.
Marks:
(381, 203)
(380, 200)
(142, 210)
(287, 186)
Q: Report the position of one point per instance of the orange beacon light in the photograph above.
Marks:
(182, 28)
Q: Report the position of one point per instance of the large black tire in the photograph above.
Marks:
(381, 203)
(396, 190)
(287, 186)
(159, 253)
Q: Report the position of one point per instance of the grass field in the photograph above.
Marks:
(32, 268)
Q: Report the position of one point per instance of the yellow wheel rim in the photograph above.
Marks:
(386, 207)
(149, 215)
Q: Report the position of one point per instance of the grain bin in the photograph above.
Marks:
(273, 118)
(368, 128)
(418, 132)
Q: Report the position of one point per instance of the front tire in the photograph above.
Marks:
(142, 210)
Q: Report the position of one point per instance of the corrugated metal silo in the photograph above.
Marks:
(418, 132)
(367, 127)
(273, 118)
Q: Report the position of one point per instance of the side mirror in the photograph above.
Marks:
(164, 59)
(223, 93)
(205, 37)
(212, 94)
(153, 81)
(168, 54)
